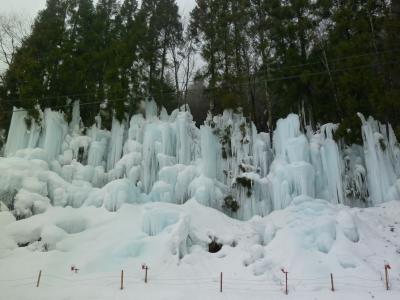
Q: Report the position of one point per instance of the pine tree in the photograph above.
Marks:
(204, 28)
(355, 35)
(109, 89)
(129, 33)
(161, 21)
(389, 109)
(221, 30)
(34, 77)
(78, 67)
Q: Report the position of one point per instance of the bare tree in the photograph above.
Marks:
(188, 62)
(183, 63)
(13, 29)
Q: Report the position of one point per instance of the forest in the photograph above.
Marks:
(325, 60)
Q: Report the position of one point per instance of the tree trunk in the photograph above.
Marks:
(269, 107)
(395, 8)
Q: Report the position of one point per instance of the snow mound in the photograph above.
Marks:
(310, 238)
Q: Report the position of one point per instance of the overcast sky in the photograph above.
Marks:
(31, 7)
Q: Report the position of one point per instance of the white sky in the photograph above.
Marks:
(31, 7)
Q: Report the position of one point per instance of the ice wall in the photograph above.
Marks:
(328, 165)
(382, 161)
(19, 135)
(225, 164)
(116, 142)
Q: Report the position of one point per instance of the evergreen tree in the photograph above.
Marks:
(163, 28)
(34, 77)
(204, 28)
(106, 58)
(355, 36)
(78, 67)
(389, 107)
(221, 28)
(129, 34)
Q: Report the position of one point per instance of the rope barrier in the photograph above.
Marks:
(234, 284)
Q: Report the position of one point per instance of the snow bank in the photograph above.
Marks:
(310, 238)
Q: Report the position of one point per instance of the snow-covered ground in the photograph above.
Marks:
(161, 191)
(310, 239)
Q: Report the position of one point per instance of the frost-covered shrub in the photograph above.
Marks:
(231, 204)
(225, 140)
(214, 246)
(245, 183)
(355, 176)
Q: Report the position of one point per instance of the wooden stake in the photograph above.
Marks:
(220, 283)
(332, 286)
(286, 287)
(286, 283)
(145, 268)
(387, 266)
(122, 279)
(38, 280)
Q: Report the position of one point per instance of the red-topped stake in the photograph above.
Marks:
(145, 268)
(286, 287)
(74, 269)
(387, 267)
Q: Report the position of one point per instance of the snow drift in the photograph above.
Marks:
(311, 238)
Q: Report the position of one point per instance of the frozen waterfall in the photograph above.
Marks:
(225, 164)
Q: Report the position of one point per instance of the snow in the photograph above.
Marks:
(51, 235)
(310, 238)
(27, 204)
(159, 190)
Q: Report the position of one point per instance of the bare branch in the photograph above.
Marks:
(13, 30)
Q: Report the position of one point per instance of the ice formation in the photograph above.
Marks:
(225, 164)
